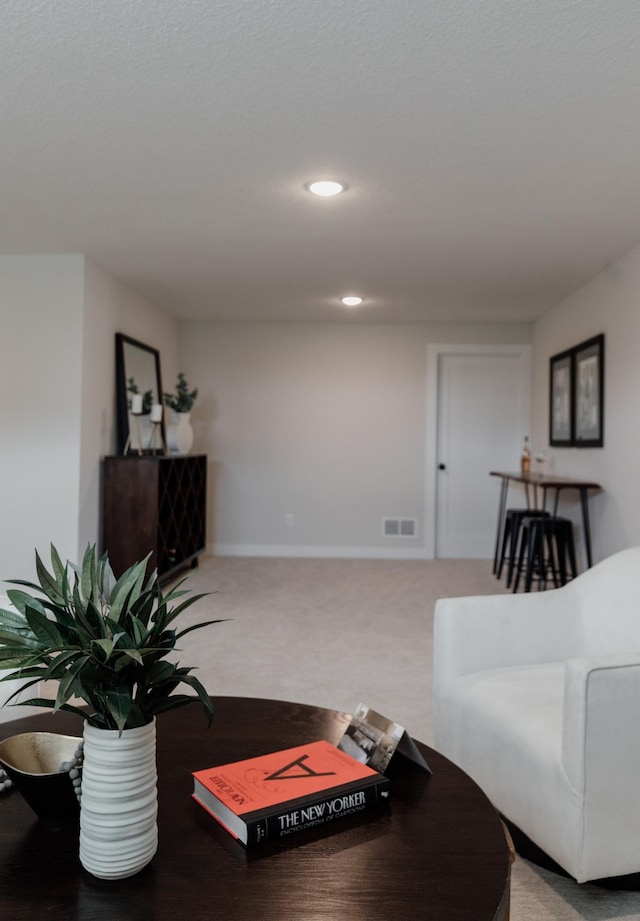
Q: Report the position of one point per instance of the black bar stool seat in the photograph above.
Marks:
(546, 546)
(513, 521)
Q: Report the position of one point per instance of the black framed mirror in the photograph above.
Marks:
(137, 374)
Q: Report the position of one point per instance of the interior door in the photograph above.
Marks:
(483, 416)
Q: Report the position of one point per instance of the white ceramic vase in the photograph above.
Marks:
(119, 805)
(180, 434)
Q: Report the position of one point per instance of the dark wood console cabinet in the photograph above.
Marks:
(158, 504)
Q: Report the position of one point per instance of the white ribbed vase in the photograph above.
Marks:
(119, 805)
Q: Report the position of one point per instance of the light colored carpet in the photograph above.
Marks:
(336, 632)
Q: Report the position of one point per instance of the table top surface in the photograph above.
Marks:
(546, 479)
(438, 852)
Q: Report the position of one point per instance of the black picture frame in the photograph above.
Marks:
(588, 390)
(576, 396)
(561, 399)
(136, 360)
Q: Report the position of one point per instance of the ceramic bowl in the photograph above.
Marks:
(33, 762)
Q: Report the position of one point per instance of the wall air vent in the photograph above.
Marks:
(399, 527)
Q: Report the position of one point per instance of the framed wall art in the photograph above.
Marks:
(588, 409)
(576, 396)
(561, 399)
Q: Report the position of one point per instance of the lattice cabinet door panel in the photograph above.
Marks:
(155, 505)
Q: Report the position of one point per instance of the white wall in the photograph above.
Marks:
(609, 304)
(325, 422)
(41, 305)
(59, 315)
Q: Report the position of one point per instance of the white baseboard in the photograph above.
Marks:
(350, 553)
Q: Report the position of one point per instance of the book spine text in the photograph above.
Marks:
(326, 809)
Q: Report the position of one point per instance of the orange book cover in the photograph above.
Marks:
(272, 796)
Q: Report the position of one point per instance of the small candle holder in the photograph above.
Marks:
(136, 422)
(156, 441)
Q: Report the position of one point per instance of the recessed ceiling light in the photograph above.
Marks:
(326, 187)
(351, 301)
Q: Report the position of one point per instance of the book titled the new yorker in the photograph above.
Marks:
(272, 796)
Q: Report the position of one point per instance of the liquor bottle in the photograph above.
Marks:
(525, 460)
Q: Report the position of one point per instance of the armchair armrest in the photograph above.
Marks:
(503, 631)
(600, 737)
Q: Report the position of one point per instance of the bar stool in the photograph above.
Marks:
(546, 544)
(513, 521)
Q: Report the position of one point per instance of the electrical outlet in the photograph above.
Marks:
(289, 519)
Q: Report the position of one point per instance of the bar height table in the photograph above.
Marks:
(545, 482)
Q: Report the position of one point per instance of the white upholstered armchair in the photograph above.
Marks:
(537, 697)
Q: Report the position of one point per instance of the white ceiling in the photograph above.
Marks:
(491, 148)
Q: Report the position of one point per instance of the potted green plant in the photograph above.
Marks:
(105, 641)
(181, 402)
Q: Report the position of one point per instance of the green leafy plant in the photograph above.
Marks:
(183, 399)
(103, 640)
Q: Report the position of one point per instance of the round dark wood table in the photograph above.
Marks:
(437, 853)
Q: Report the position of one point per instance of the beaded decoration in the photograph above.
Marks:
(74, 769)
(5, 783)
